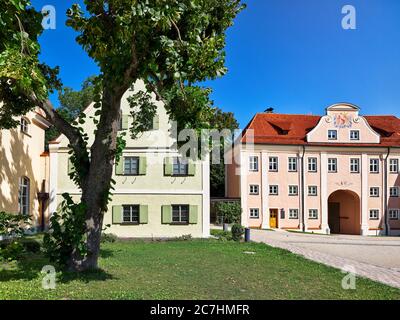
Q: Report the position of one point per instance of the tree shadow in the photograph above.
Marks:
(86, 276)
(28, 267)
(106, 253)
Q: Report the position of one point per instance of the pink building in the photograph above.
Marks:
(333, 174)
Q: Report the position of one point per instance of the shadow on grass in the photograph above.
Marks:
(27, 268)
(86, 276)
(106, 253)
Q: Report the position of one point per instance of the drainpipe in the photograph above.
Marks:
(302, 189)
(385, 178)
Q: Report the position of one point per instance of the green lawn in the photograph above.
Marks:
(197, 269)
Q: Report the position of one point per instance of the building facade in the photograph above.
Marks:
(157, 193)
(24, 169)
(338, 173)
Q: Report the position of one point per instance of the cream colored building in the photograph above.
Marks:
(24, 169)
(154, 196)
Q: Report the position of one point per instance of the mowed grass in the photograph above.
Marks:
(197, 269)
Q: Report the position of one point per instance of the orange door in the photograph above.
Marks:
(273, 219)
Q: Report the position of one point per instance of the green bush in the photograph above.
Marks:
(11, 250)
(228, 212)
(13, 224)
(222, 235)
(31, 245)
(108, 237)
(237, 232)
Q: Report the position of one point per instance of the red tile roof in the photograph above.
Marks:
(291, 129)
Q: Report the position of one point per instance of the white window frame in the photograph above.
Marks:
(357, 137)
(355, 167)
(131, 172)
(24, 125)
(394, 166)
(253, 163)
(293, 213)
(24, 196)
(313, 214)
(313, 194)
(312, 164)
(254, 213)
(374, 194)
(276, 187)
(394, 214)
(180, 208)
(292, 164)
(374, 165)
(332, 165)
(293, 190)
(273, 164)
(254, 189)
(132, 212)
(394, 194)
(374, 214)
(333, 137)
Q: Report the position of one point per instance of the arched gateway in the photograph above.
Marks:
(344, 214)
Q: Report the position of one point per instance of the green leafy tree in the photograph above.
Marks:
(169, 44)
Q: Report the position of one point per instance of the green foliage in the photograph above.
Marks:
(11, 250)
(67, 232)
(108, 238)
(13, 224)
(222, 235)
(237, 232)
(228, 212)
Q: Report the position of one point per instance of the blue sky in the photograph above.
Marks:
(292, 55)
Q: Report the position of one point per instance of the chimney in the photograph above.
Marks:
(269, 110)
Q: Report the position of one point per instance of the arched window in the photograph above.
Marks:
(23, 196)
(24, 124)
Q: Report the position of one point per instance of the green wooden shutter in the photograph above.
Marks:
(156, 122)
(168, 166)
(119, 167)
(193, 214)
(117, 214)
(71, 167)
(125, 122)
(142, 165)
(166, 214)
(191, 168)
(143, 214)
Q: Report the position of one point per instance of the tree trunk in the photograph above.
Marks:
(96, 187)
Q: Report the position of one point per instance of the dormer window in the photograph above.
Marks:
(354, 135)
(24, 125)
(332, 134)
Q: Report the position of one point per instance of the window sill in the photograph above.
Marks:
(130, 223)
(179, 223)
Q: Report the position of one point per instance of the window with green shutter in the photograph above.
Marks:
(180, 213)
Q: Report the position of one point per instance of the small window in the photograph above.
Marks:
(131, 166)
(312, 190)
(393, 214)
(254, 213)
(394, 165)
(394, 192)
(374, 214)
(293, 190)
(180, 167)
(254, 189)
(354, 135)
(273, 164)
(354, 165)
(313, 214)
(332, 134)
(312, 164)
(253, 162)
(130, 213)
(273, 190)
(374, 165)
(293, 213)
(332, 165)
(24, 125)
(374, 192)
(292, 164)
(24, 196)
(180, 213)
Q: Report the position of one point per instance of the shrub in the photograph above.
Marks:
(222, 235)
(31, 245)
(11, 250)
(228, 212)
(13, 224)
(237, 232)
(108, 237)
(184, 237)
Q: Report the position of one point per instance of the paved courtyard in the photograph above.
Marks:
(377, 258)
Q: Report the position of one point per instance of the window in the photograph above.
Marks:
(254, 213)
(374, 192)
(374, 214)
(394, 165)
(273, 190)
(332, 165)
(332, 134)
(354, 165)
(254, 189)
(23, 196)
(292, 164)
(180, 167)
(374, 165)
(253, 162)
(180, 213)
(293, 190)
(312, 190)
(131, 166)
(24, 125)
(293, 213)
(393, 214)
(313, 214)
(273, 164)
(130, 214)
(354, 135)
(312, 164)
(394, 192)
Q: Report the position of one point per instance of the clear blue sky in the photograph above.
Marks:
(292, 55)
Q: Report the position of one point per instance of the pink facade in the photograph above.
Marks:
(338, 173)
